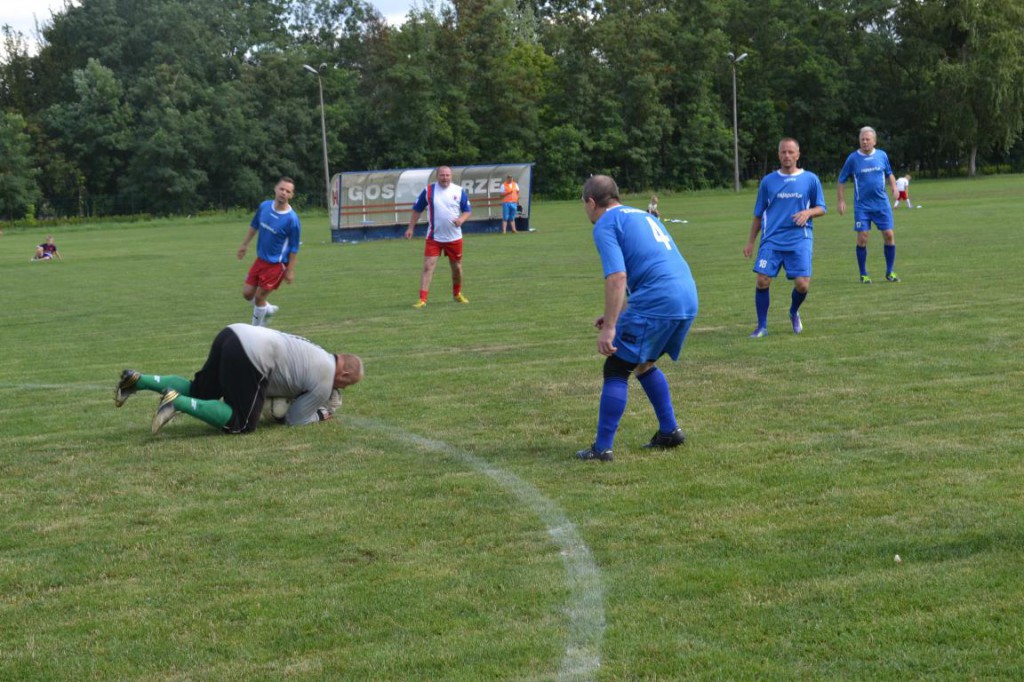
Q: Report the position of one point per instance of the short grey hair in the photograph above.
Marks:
(602, 189)
(867, 129)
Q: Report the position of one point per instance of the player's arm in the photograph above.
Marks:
(295, 241)
(465, 208)
(755, 229)
(800, 218)
(892, 185)
(308, 408)
(614, 303)
(417, 211)
(841, 197)
(289, 269)
(414, 218)
(245, 242)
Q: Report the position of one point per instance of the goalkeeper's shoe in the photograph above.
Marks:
(459, 298)
(892, 277)
(864, 279)
(125, 386)
(664, 441)
(165, 412)
(592, 453)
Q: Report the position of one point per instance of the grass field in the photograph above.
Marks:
(440, 528)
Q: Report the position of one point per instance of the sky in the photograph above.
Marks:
(22, 15)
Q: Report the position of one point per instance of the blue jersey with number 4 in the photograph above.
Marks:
(779, 197)
(657, 276)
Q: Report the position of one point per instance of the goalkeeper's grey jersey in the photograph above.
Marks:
(295, 368)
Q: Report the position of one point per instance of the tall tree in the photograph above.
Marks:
(95, 128)
(18, 189)
(979, 76)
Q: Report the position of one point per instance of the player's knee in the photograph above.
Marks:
(617, 368)
(643, 369)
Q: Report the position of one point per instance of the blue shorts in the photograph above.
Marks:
(508, 211)
(797, 261)
(862, 220)
(642, 339)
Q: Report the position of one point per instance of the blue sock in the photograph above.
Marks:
(890, 257)
(655, 385)
(613, 405)
(862, 260)
(762, 299)
(796, 300)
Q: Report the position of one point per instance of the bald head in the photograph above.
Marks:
(599, 194)
(348, 370)
(602, 189)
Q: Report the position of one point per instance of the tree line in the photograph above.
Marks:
(178, 106)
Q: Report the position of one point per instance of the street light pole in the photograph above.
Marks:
(735, 123)
(323, 128)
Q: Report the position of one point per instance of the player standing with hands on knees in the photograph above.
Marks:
(448, 208)
(279, 232)
(869, 167)
(650, 301)
(787, 201)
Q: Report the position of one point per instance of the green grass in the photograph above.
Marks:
(440, 529)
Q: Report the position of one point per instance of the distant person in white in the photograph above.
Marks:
(902, 189)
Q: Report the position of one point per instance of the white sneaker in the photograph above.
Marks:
(271, 309)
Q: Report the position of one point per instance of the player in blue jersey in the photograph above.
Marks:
(640, 261)
(870, 170)
(279, 232)
(787, 202)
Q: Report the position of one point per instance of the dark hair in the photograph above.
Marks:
(602, 189)
(285, 178)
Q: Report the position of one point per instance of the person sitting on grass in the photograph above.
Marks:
(47, 251)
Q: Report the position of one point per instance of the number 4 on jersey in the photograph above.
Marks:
(659, 234)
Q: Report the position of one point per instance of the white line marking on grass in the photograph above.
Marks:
(582, 658)
(54, 387)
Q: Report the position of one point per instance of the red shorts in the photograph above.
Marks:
(451, 249)
(902, 196)
(266, 276)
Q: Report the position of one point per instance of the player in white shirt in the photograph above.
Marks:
(448, 208)
(902, 189)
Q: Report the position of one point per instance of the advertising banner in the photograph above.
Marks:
(377, 204)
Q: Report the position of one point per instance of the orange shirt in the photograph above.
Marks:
(510, 192)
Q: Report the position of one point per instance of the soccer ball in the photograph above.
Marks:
(276, 408)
